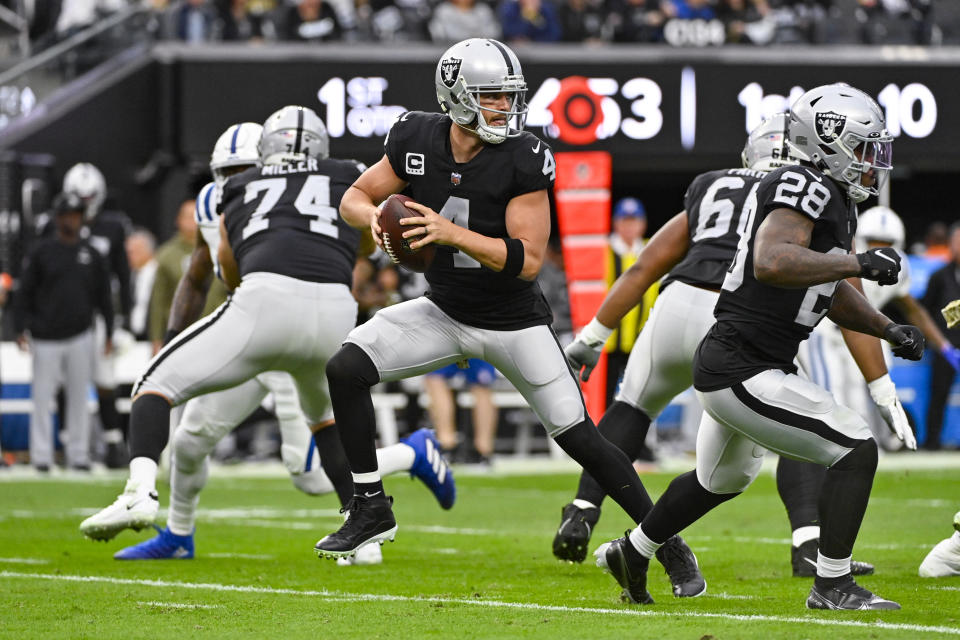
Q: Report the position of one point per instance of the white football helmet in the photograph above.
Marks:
(475, 66)
(292, 134)
(238, 146)
(880, 224)
(766, 147)
(841, 131)
(85, 181)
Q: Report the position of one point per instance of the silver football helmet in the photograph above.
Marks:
(475, 66)
(766, 147)
(841, 131)
(85, 181)
(293, 134)
(238, 146)
(880, 224)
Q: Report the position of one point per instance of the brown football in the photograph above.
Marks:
(394, 244)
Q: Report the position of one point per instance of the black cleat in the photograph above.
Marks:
(804, 561)
(848, 596)
(627, 566)
(573, 536)
(681, 565)
(116, 456)
(368, 520)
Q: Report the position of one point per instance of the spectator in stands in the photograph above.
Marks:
(172, 256)
(897, 22)
(584, 21)
(456, 20)
(942, 287)
(243, 19)
(529, 21)
(478, 376)
(307, 21)
(936, 242)
(746, 21)
(196, 21)
(636, 20)
(140, 247)
(64, 281)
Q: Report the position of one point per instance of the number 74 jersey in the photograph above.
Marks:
(773, 321)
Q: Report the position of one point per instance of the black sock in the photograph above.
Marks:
(625, 427)
(843, 500)
(684, 502)
(609, 465)
(799, 485)
(109, 416)
(149, 426)
(333, 459)
(350, 374)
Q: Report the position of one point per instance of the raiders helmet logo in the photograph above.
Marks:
(450, 71)
(830, 125)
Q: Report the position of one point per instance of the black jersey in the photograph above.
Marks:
(285, 219)
(760, 326)
(714, 203)
(108, 233)
(473, 195)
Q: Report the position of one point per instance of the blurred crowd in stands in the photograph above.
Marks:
(674, 22)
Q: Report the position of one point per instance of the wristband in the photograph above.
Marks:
(595, 333)
(882, 388)
(515, 256)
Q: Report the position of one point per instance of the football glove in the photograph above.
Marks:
(951, 313)
(584, 352)
(952, 355)
(884, 394)
(882, 265)
(906, 339)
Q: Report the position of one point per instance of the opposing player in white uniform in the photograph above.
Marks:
(831, 367)
(208, 418)
(696, 247)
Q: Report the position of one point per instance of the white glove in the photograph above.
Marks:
(884, 394)
(584, 351)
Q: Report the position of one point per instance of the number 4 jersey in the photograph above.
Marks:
(474, 195)
(760, 326)
(285, 219)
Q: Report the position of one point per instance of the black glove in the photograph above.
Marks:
(882, 265)
(906, 339)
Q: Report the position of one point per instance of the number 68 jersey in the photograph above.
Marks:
(760, 326)
(284, 219)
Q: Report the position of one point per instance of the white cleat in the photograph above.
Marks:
(133, 509)
(944, 559)
(368, 554)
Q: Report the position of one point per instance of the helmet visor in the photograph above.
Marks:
(878, 154)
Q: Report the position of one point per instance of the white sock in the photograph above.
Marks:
(366, 478)
(583, 504)
(143, 472)
(831, 568)
(185, 486)
(396, 457)
(805, 534)
(642, 543)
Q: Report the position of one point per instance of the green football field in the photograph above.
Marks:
(481, 570)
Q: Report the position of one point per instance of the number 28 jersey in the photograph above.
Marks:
(285, 219)
(760, 326)
(474, 195)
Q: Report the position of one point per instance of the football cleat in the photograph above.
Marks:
(681, 565)
(573, 536)
(133, 509)
(804, 561)
(370, 554)
(430, 466)
(627, 566)
(369, 520)
(848, 596)
(166, 546)
(116, 456)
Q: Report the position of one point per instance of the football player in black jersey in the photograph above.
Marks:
(289, 258)
(696, 247)
(107, 231)
(481, 187)
(788, 274)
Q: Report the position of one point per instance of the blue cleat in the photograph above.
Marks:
(166, 546)
(430, 467)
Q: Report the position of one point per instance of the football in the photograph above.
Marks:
(391, 232)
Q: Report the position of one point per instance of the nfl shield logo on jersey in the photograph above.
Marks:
(455, 179)
(830, 125)
(450, 71)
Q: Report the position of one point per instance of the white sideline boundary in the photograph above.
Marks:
(371, 597)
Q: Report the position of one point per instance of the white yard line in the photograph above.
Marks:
(179, 605)
(493, 604)
(241, 556)
(24, 561)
